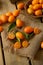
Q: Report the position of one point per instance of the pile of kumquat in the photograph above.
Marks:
(36, 7)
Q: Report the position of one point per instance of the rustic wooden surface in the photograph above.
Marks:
(6, 6)
(37, 62)
(1, 59)
(13, 58)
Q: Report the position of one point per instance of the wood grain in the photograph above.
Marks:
(1, 59)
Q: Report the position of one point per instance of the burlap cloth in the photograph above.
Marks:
(34, 46)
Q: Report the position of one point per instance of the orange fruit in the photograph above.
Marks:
(38, 12)
(36, 30)
(4, 18)
(37, 7)
(31, 6)
(35, 2)
(42, 45)
(42, 6)
(9, 14)
(19, 23)
(16, 13)
(28, 29)
(41, 1)
(17, 45)
(30, 11)
(1, 28)
(11, 19)
(19, 35)
(20, 5)
(25, 44)
(11, 36)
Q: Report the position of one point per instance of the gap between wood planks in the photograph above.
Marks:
(2, 51)
(41, 19)
(29, 61)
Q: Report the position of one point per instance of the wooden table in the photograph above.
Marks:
(6, 58)
(1, 58)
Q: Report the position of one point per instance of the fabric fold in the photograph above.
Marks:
(30, 51)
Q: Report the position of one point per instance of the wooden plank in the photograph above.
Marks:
(6, 6)
(1, 59)
(38, 60)
(39, 55)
